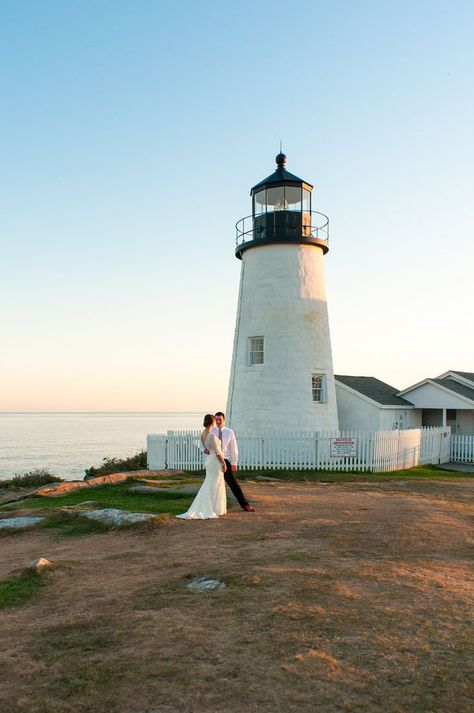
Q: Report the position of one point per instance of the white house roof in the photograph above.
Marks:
(466, 374)
(462, 376)
(456, 387)
(374, 389)
(463, 393)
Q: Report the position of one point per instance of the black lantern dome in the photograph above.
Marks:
(281, 212)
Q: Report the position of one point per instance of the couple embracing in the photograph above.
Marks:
(220, 446)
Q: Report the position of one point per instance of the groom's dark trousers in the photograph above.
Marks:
(234, 486)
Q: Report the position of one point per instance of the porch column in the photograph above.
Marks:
(443, 417)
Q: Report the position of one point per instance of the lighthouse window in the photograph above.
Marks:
(293, 197)
(276, 199)
(318, 388)
(306, 199)
(260, 202)
(255, 350)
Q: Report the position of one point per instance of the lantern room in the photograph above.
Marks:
(281, 212)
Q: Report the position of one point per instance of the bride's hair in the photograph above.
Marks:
(208, 420)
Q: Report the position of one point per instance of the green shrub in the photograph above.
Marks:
(31, 479)
(115, 465)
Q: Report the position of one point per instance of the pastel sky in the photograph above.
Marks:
(131, 133)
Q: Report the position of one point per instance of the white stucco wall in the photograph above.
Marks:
(355, 414)
(358, 414)
(283, 299)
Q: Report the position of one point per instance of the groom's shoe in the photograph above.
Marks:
(249, 508)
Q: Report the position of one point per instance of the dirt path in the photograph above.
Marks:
(338, 598)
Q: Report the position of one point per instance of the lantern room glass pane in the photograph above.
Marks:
(260, 202)
(276, 198)
(306, 199)
(293, 198)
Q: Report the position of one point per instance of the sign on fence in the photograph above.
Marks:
(343, 447)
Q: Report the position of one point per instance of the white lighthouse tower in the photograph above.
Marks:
(282, 375)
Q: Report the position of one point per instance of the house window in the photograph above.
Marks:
(451, 414)
(318, 388)
(255, 350)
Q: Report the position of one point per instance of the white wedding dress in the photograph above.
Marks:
(211, 500)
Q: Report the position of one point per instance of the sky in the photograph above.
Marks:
(130, 136)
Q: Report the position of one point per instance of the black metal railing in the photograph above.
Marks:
(285, 225)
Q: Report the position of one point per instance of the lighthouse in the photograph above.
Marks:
(282, 375)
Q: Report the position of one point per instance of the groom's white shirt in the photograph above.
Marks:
(229, 444)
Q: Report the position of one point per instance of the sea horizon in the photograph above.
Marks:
(66, 443)
(98, 412)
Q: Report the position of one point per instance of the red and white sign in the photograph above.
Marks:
(343, 447)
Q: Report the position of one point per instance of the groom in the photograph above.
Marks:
(230, 450)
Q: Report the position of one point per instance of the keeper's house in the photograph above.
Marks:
(368, 404)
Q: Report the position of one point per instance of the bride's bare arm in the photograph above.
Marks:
(216, 444)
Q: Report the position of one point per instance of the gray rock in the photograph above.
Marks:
(114, 516)
(8, 496)
(18, 522)
(186, 489)
(205, 584)
(146, 489)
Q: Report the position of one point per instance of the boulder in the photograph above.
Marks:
(114, 516)
(40, 564)
(18, 523)
(70, 485)
(205, 584)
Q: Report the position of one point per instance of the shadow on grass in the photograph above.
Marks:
(81, 668)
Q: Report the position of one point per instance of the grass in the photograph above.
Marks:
(72, 525)
(115, 496)
(422, 472)
(172, 503)
(19, 589)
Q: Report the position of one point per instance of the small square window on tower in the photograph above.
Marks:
(318, 388)
(255, 350)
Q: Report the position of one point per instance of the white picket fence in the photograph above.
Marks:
(377, 452)
(462, 449)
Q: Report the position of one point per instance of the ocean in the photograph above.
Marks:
(68, 443)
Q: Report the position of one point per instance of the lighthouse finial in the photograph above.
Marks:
(281, 158)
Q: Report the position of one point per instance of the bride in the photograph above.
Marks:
(211, 500)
